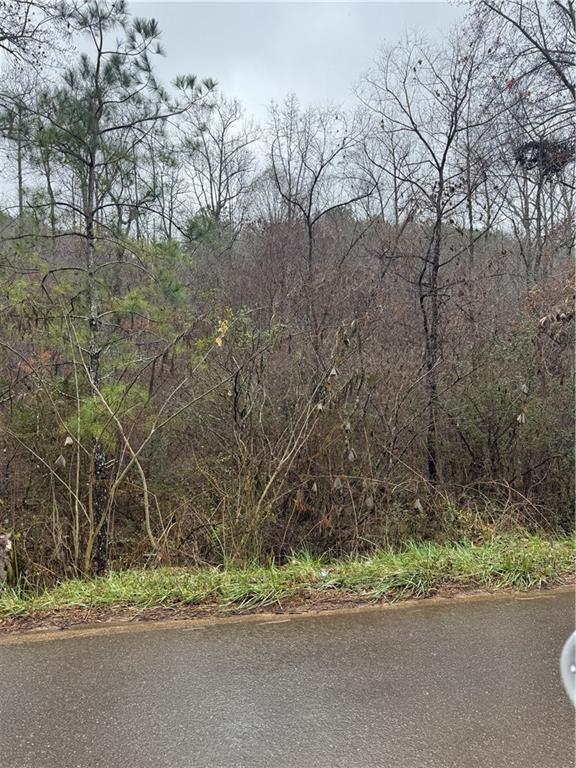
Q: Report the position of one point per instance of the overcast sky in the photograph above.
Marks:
(260, 51)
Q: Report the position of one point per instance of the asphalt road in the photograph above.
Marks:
(431, 685)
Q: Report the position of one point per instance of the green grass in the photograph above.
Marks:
(417, 570)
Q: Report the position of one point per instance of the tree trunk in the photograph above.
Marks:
(100, 464)
(429, 308)
(19, 170)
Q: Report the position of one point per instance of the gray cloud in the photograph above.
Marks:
(261, 51)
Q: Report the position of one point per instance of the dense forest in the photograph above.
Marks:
(337, 330)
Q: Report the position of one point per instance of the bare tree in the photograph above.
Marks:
(547, 34)
(219, 160)
(531, 135)
(312, 170)
(309, 162)
(533, 47)
(420, 98)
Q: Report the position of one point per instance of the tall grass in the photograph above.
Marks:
(417, 570)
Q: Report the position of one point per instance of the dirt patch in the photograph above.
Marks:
(307, 601)
(67, 618)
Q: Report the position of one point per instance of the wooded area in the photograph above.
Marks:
(339, 330)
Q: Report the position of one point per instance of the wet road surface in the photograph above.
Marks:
(451, 684)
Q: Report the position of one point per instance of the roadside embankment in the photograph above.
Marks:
(306, 582)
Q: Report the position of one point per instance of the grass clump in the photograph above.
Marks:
(417, 570)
